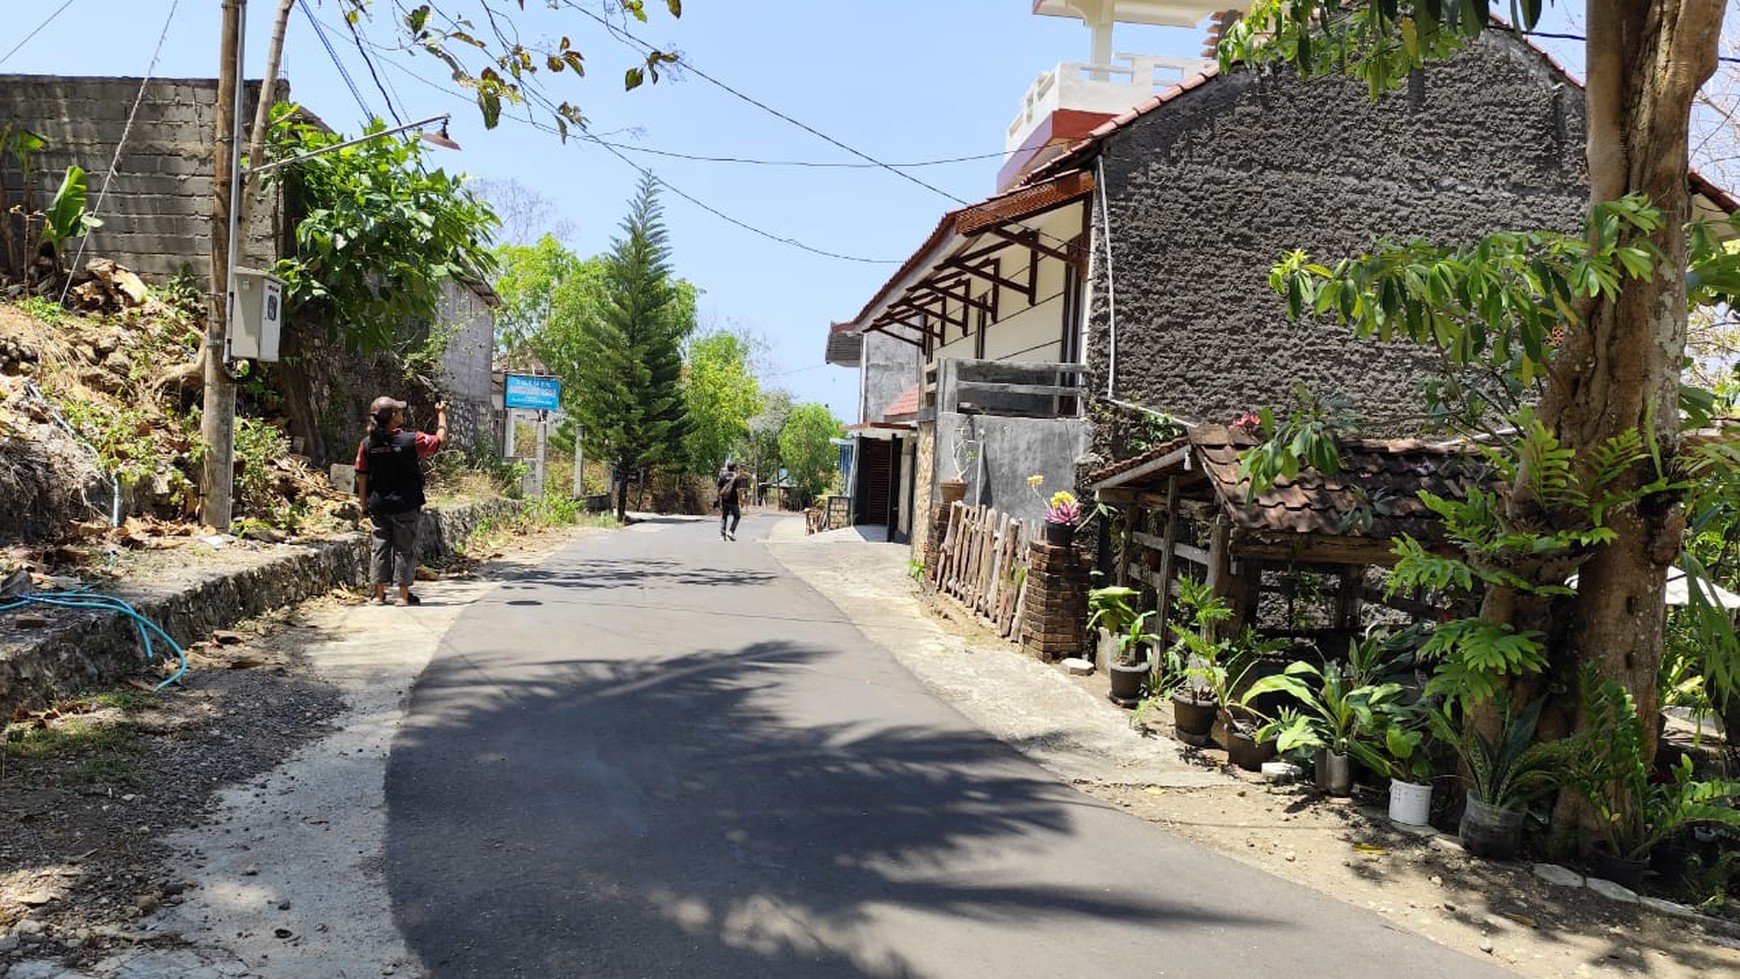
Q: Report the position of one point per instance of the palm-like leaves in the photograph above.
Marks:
(1515, 770)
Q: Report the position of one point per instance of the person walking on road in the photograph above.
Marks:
(389, 485)
(730, 498)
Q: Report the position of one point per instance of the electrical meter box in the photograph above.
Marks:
(257, 316)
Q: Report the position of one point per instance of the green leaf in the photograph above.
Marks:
(633, 78)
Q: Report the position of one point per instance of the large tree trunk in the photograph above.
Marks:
(1620, 369)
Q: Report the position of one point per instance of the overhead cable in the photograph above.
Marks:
(35, 31)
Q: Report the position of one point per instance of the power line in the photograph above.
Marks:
(126, 130)
(1550, 35)
(344, 73)
(535, 94)
(714, 158)
(38, 30)
(370, 65)
(636, 42)
(816, 164)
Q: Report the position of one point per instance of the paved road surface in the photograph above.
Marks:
(660, 755)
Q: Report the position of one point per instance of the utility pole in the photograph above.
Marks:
(217, 426)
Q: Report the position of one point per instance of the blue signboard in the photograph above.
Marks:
(537, 393)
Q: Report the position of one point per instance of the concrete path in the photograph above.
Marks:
(662, 754)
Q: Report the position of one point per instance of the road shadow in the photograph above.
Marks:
(607, 573)
(666, 817)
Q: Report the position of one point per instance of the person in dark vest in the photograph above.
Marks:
(389, 484)
(730, 498)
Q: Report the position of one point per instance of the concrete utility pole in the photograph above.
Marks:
(217, 425)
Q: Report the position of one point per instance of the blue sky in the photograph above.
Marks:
(901, 82)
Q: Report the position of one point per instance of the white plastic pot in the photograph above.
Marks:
(1410, 803)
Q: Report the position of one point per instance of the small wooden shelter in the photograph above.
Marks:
(1186, 507)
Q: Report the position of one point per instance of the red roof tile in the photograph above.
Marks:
(904, 407)
(1375, 495)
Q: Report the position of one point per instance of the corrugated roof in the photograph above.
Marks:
(1010, 205)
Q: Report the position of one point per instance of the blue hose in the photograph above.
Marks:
(83, 600)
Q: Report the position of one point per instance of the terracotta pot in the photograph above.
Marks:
(952, 491)
(1242, 747)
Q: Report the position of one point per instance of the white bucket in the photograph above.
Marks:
(1410, 803)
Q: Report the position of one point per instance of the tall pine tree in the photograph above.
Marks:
(625, 356)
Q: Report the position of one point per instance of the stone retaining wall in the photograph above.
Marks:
(81, 650)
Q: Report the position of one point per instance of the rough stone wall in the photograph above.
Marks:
(1209, 191)
(157, 210)
(81, 650)
(923, 491)
(465, 366)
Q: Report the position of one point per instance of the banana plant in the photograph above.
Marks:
(65, 216)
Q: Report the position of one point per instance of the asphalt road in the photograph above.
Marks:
(660, 755)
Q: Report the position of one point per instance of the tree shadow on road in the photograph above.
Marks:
(602, 574)
(667, 817)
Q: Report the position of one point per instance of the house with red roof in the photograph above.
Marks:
(1118, 278)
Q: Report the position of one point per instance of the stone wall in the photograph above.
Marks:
(465, 382)
(79, 650)
(1208, 191)
(157, 207)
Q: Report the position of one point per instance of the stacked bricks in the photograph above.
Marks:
(1055, 608)
(933, 540)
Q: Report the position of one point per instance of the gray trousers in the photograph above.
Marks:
(393, 547)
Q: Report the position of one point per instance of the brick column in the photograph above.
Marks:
(1054, 611)
(937, 526)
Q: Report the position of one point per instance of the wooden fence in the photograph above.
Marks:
(983, 564)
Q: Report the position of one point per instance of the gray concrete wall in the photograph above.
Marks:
(1010, 450)
(157, 211)
(890, 367)
(1209, 191)
(465, 365)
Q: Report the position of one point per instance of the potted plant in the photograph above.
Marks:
(1635, 813)
(1502, 777)
(1225, 668)
(1062, 511)
(1195, 705)
(1331, 713)
(1123, 640)
(1405, 758)
(966, 452)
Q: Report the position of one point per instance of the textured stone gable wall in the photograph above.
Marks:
(1209, 191)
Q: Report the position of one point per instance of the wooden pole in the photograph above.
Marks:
(217, 428)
